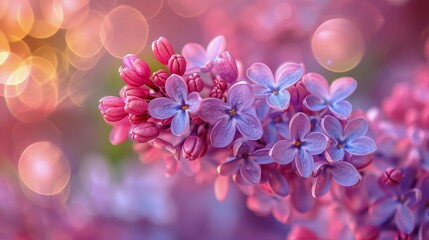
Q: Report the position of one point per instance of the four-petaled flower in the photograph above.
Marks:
(179, 104)
(350, 140)
(301, 145)
(322, 96)
(274, 88)
(237, 112)
(201, 59)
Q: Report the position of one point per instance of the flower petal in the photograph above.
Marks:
(317, 85)
(250, 171)
(299, 126)
(355, 128)
(413, 197)
(180, 123)
(162, 108)
(383, 209)
(230, 167)
(242, 146)
(304, 163)
(212, 109)
(260, 91)
(279, 184)
(301, 197)
(334, 153)
(283, 152)
(341, 109)
(279, 101)
(176, 88)
(261, 74)
(119, 133)
(240, 96)
(404, 219)
(321, 185)
(195, 55)
(221, 187)
(332, 127)
(314, 103)
(344, 174)
(215, 47)
(341, 88)
(288, 74)
(193, 102)
(361, 146)
(222, 133)
(281, 211)
(262, 156)
(249, 126)
(189, 168)
(315, 143)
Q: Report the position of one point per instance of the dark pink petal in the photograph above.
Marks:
(279, 101)
(332, 127)
(341, 110)
(334, 153)
(383, 209)
(230, 167)
(304, 163)
(344, 174)
(424, 231)
(261, 74)
(413, 197)
(299, 126)
(250, 171)
(212, 110)
(195, 55)
(190, 168)
(288, 74)
(301, 233)
(355, 128)
(227, 67)
(262, 156)
(119, 133)
(341, 88)
(180, 123)
(262, 204)
(321, 185)
(283, 152)
(249, 126)
(193, 102)
(176, 88)
(314, 103)
(315, 143)
(279, 184)
(404, 219)
(317, 85)
(240, 96)
(215, 47)
(281, 211)
(222, 133)
(163, 108)
(361, 146)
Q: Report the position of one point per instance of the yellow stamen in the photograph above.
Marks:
(275, 92)
(232, 112)
(340, 145)
(185, 107)
(297, 143)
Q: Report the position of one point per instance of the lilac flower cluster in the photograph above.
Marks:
(284, 137)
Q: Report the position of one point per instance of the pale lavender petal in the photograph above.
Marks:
(355, 128)
(230, 167)
(299, 126)
(321, 185)
(279, 101)
(345, 174)
(304, 163)
(270, 133)
(404, 219)
(413, 197)
(212, 110)
(240, 96)
(314, 143)
(317, 85)
(281, 211)
(359, 162)
(215, 47)
(425, 185)
(195, 55)
(288, 74)
(249, 126)
(283, 152)
(180, 123)
(261, 74)
(332, 127)
(334, 153)
(383, 209)
(314, 103)
(193, 102)
(341, 88)
(279, 184)
(261, 156)
(341, 109)
(222, 133)
(176, 88)
(260, 91)
(301, 197)
(250, 171)
(163, 108)
(361, 146)
(242, 146)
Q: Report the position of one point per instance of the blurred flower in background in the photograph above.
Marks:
(60, 178)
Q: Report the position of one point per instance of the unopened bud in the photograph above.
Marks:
(132, 91)
(227, 67)
(134, 71)
(194, 83)
(162, 49)
(392, 177)
(135, 105)
(160, 77)
(144, 132)
(177, 64)
(112, 108)
(192, 148)
(137, 119)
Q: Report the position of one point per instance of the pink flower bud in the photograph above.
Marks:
(195, 83)
(132, 91)
(112, 108)
(177, 64)
(195, 119)
(144, 132)
(160, 77)
(162, 49)
(392, 177)
(367, 233)
(227, 67)
(219, 89)
(135, 105)
(137, 119)
(134, 71)
(192, 148)
(221, 84)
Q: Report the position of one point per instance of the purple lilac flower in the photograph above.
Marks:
(274, 88)
(201, 59)
(300, 145)
(179, 104)
(236, 113)
(350, 140)
(322, 96)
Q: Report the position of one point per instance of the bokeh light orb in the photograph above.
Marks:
(338, 45)
(43, 168)
(4, 48)
(18, 20)
(124, 30)
(188, 8)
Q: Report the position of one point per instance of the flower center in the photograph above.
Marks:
(245, 155)
(278, 119)
(298, 143)
(341, 145)
(185, 107)
(232, 112)
(275, 92)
